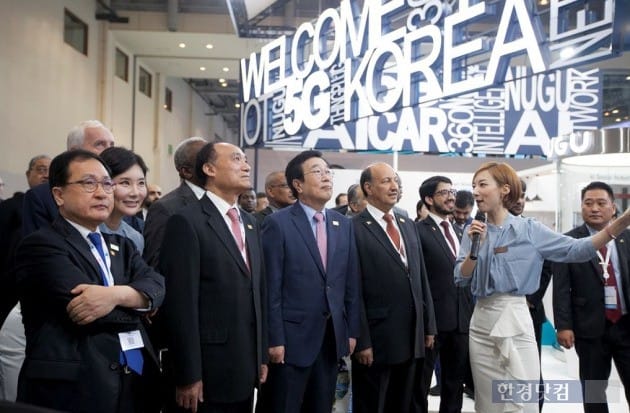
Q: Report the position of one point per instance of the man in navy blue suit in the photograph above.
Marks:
(313, 286)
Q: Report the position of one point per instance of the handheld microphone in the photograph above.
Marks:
(474, 249)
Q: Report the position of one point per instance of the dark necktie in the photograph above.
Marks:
(391, 230)
(612, 314)
(448, 236)
(132, 358)
(320, 236)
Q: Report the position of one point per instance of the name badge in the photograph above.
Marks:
(130, 340)
(610, 297)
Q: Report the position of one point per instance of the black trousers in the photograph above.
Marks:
(596, 356)
(452, 349)
(384, 388)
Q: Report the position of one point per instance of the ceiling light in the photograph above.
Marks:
(628, 77)
(567, 52)
(615, 111)
(202, 68)
(237, 105)
(182, 45)
(226, 69)
(618, 120)
(209, 46)
(606, 113)
(221, 80)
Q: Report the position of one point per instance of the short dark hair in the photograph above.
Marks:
(261, 195)
(366, 176)
(429, 186)
(59, 170)
(599, 185)
(294, 168)
(339, 195)
(464, 199)
(207, 153)
(120, 159)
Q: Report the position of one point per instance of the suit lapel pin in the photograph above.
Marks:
(249, 226)
(113, 247)
(368, 222)
(335, 223)
(401, 219)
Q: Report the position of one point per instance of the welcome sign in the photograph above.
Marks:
(494, 77)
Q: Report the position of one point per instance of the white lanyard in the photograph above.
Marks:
(604, 262)
(104, 266)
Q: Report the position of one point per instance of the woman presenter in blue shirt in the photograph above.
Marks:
(508, 265)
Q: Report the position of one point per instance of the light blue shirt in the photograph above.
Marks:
(510, 258)
(310, 214)
(125, 230)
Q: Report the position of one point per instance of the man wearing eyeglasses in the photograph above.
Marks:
(453, 305)
(312, 276)
(278, 193)
(83, 297)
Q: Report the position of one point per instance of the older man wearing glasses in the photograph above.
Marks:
(278, 193)
(83, 297)
(313, 288)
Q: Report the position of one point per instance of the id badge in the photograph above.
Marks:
(610, 297)
(130, 340)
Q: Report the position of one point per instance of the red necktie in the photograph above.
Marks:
(320, 235)
(391, 230)
(447, 234)
(236, 231)
(612, 314)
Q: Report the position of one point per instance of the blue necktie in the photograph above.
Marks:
(95, 238)
(132, 358)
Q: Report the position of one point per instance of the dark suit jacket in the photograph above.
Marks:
(157, 216)
(262, 214)
(302, 296)
(215, 307)
(397, 309)
(536, 299)
(11, 234)
(453, 304)
(578, 289)
(77, 361)
(39, 208)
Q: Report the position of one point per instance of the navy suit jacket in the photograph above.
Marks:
(39, 209)
(302, 295)
(68, 361)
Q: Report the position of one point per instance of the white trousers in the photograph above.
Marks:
(503, 349)
(12, 344)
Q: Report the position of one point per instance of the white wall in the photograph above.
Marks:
(48, 87)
